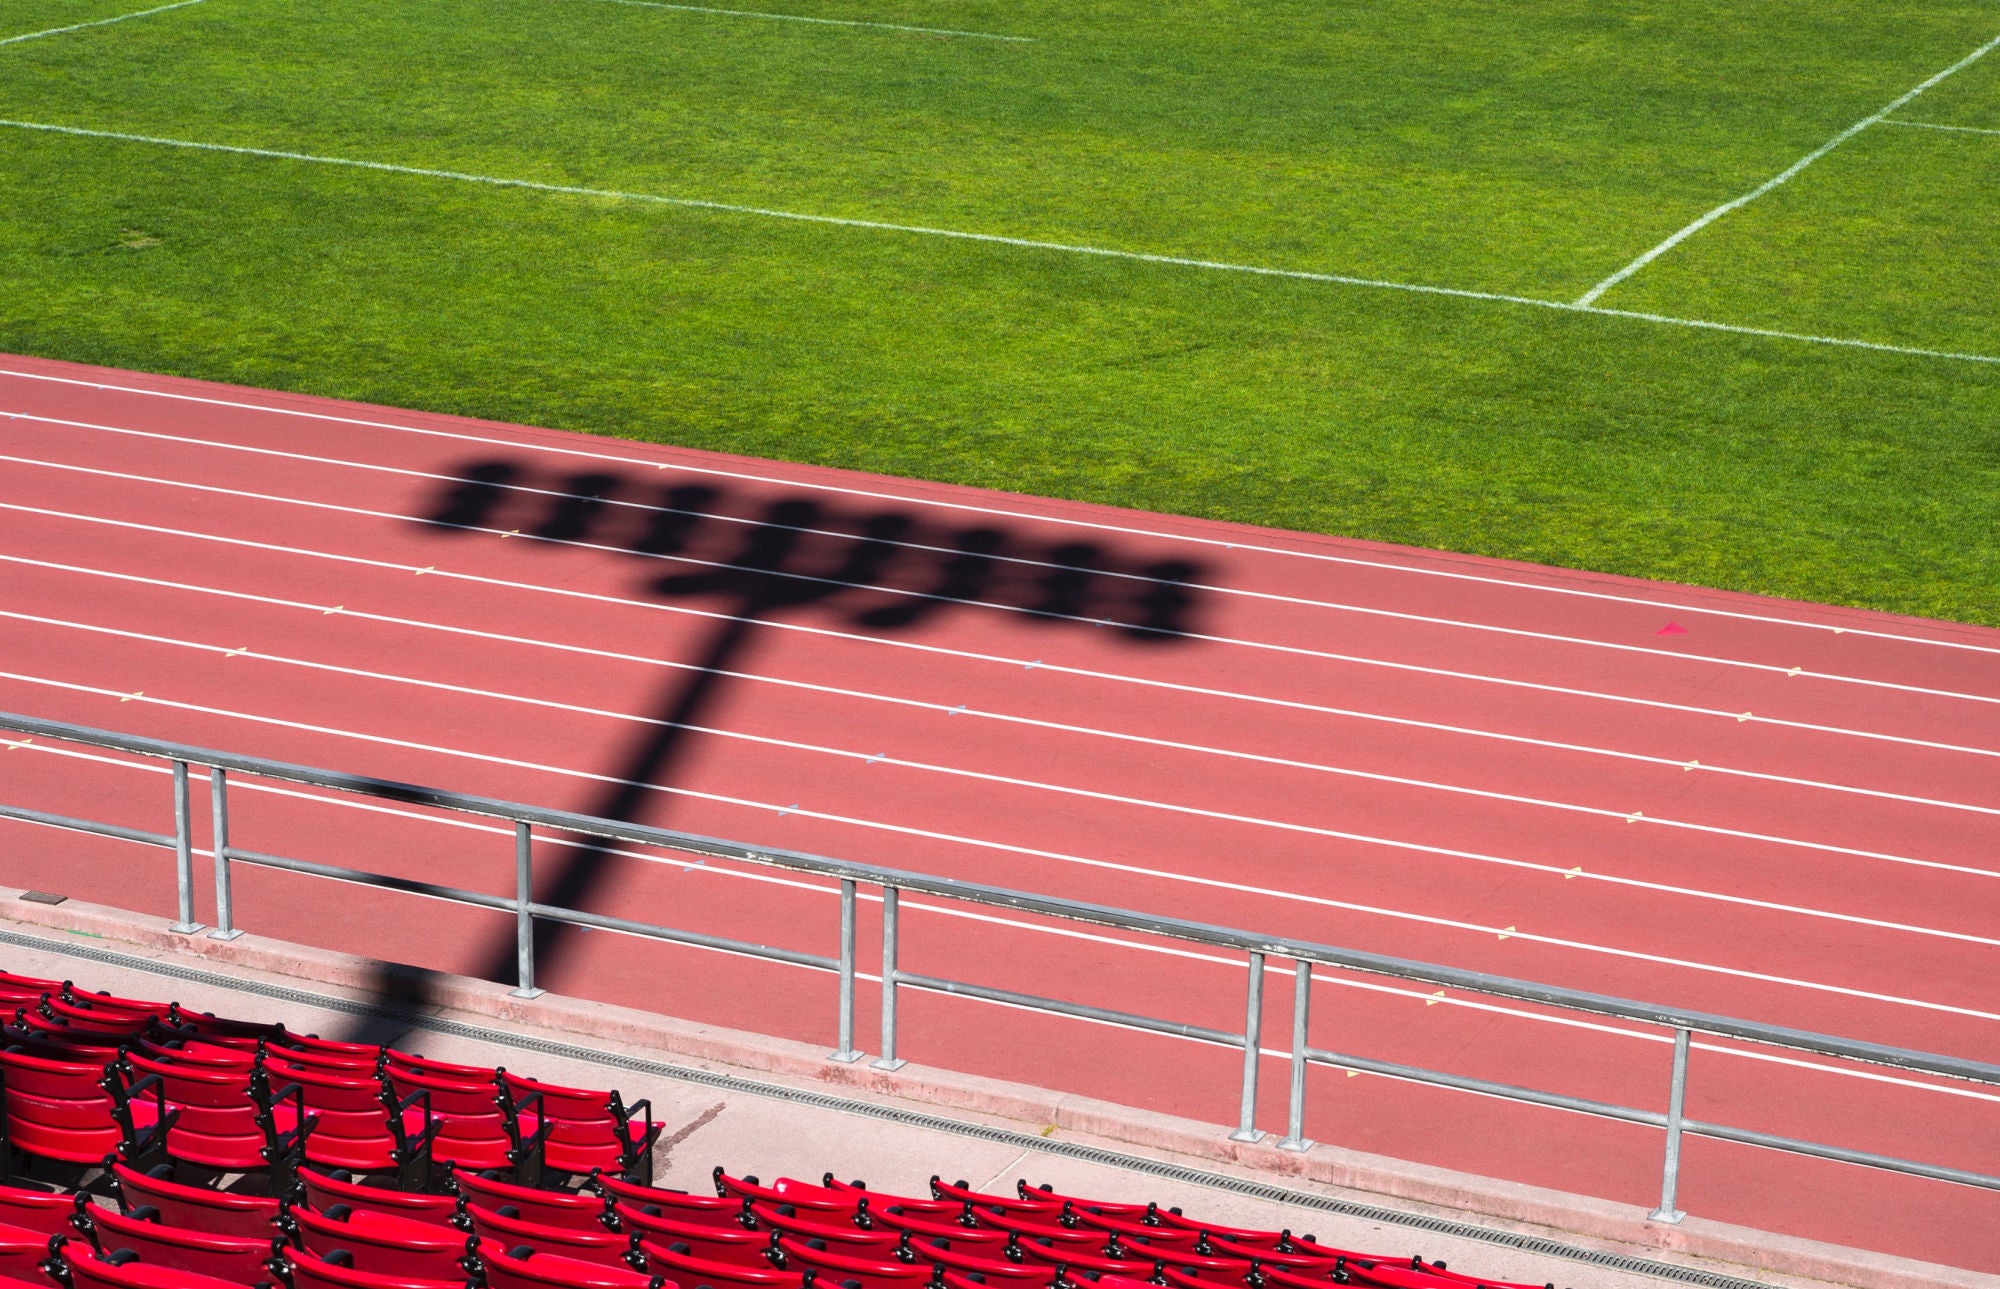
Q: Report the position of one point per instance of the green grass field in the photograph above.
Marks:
(1527, 148)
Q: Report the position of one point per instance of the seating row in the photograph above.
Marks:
(211, 1153)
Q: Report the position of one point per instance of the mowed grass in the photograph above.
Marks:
(1507, 148)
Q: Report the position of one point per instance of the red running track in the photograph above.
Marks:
(1768, 809)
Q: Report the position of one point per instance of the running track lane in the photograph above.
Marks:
(1776, 810)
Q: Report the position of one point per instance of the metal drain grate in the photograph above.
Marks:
(825, 1101)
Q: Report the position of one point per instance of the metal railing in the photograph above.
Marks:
(1305, 955)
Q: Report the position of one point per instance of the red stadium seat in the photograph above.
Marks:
(573, 1130)
(356, 1121)
(576, 1211)
(417, 1063)
(524, 1268)
(707, 1210)
(380, 1244)
(326, 1189)
(1130, 1229)
(936, 1208)
(226, 1257)
(65, 1110)
(897, 1218)
(840, 1234)
(739, 1246)
(1031, 1212)
(195, 1208)
(606, 1248)
(309, 1272)
(220, 1030)
(34, 986)
(124, 1269)
(685, 1271)
(1085, 1239)
(1046, 1195)
(471, 1129)
(995, 1268)
(1074, 1257)
(840, 1269)
(44, 1212)
(800, 1195)
(218, 1123)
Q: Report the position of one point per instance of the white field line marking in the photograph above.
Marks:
(911, 905)
(996, 239)
(1684, 764)
(825, 22)
(1936, 125)
(1770, 669)
(1190, 879)
(937, 650)
(598, 454)
(1556, 870)
(1590, 297)
(101, 22)
(646, 508)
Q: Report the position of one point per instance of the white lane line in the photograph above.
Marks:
(1189, 879)
(847, 754)
(597, 453)
(1682, 764)
(1590, 297)
(941, 650)
(996, 239)
(646, 508)
(101, 22)
(1764, 668)
(825, 22)
(1938, 125)
(667, 858)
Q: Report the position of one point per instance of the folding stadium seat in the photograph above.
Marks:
(840, 1234)
(217, 1122)
(738, 1246)
(471, 1130)
(574, 1211)
(195, 1208)
(380, 1244)
(326, 1189)
(60, 1109)
(82, 1267)
(22, 1254)
(44, 1212)
(843, 1270)
(1305, 1259)
(220, 1030)
(115, 1021)
(101, 1000)
(352, 1120)
(1085, 1239)
(606, 1248)
(573, 1130)
(944, 1209)
(994, 1269)
(1072, 1258)
(1031, 1212)
(524, 1268)
(308, 1272)
(32, 987)
(31, 1027)
(703, 1210)
(487, 1076)
(314, 1052)
(1047, 1195)
(682, 1270)
(800, 1195)
(1161, 1237)
(1403, 1275)
(897, 1218)
(225, 1257)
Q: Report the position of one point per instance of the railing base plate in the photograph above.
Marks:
(225, 935)
(1248, 1136)
(845, 1058)
(897, 1064)
(1671, 1217)
(1299, 1145)
(185, 928)
(526, 993)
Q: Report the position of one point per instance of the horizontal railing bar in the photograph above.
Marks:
(939, 985)
(118, 831)
(1653, 1118)
(546, 912)
(1465, 1083)
(1045, 905)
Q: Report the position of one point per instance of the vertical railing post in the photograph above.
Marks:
(1253, 1037)
(846, 1053)
(888, 1060)
(1670, 1178)
(183, 854)
(225, 903)
(524, 912)
(1295, 1135)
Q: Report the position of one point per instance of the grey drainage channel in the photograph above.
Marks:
(981, 1132)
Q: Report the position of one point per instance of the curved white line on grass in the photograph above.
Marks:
(599, 455)
(1764, 668)
(847, 754)
(1938, 125)
(1134, 870)
(916, 905)
(1590, 297)
(824, 22)
(996, 239)
(1019, 561)
(943, 651)
(101, 22)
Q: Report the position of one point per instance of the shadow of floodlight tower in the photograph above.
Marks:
(748, 561)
